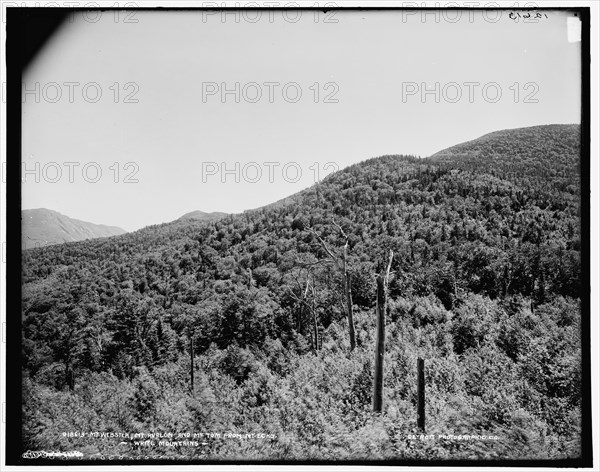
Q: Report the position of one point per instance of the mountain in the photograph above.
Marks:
(485, 285)
(43, 227)
(522, 143)
(203, 216)
(550, 150)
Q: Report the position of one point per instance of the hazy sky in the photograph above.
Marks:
(162, 121)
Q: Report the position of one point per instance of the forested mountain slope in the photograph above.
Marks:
(485, 285)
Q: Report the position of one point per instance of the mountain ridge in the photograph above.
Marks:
(43, 227)
(466, 153)
(202, 215)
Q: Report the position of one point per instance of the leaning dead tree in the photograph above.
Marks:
(382, 286)
(340, 262)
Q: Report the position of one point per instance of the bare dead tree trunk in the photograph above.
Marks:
(348, 290)
(100, 347)
(303, 307)
(69, 374)
(315, 335)
(379, 348)
(299, 316)
(382, 283)
(309, 305)
(341, 264)
(250, 280)
(70, 377)
(315, 323)
(191, 363)
(421, 394)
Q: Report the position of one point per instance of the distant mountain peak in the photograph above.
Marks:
(43, 227)
(202, 216)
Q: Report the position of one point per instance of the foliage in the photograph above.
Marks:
(486, 286)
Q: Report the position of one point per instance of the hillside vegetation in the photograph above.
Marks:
(485, 286)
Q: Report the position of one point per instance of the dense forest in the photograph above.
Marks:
(253, 336)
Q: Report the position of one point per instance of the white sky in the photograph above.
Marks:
(170, 132)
